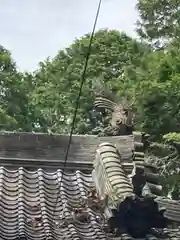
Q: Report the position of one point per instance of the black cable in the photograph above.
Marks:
(78, 98)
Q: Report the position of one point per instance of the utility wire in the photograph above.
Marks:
(78, 99)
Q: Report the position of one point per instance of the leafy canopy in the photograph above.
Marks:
(159, 20)
(58, 80)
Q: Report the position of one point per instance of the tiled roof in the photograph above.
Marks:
(172, 206)
(27, 203)
(28, 198)
(171, 235)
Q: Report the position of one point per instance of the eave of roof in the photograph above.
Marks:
(48, 150)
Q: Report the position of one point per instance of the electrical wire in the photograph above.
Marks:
(78, 99)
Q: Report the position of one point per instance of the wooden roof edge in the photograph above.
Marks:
(39, 140)
(34, 139)
(31, 149)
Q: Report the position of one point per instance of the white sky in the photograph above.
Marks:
(35, 29)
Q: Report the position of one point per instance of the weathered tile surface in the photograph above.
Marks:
(27, 201)
(45, 147)
(25, 196)
(172, 206)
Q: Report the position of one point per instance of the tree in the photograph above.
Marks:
(7, 68)
(15, 89)
(58, 80)
(6, 62)
(159, 20)
(159, 88)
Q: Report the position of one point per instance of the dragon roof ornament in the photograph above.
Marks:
(122, 119)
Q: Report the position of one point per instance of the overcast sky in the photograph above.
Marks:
(35, 29)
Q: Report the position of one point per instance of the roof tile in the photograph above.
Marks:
(27, 201)
(27, 204)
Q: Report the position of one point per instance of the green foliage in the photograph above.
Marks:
(166, 157)
(159, 20)
(45, 100)
(172, 137)
(58, 80)
(15, 112)
(157, 82)
(172, 178)
(6, 62)
(160, 107)
(171, 183)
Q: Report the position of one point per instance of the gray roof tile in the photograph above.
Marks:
(27, 201)
(172, 206)
(26, 196)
